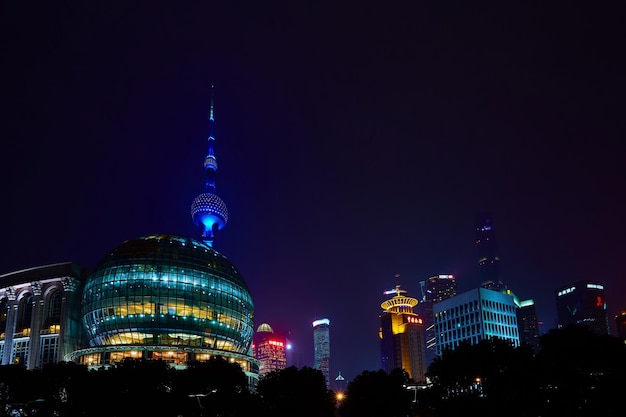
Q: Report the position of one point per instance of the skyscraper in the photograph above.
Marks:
(270, 349)
(402, 336)
(583, 303)
(434, 289)
(473, 316)
(321, 346)
(527, 323)
(488, 261)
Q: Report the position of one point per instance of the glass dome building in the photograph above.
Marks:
(166, 297)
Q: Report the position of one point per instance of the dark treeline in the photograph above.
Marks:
(575, 373)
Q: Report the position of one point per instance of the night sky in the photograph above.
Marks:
(355, 142)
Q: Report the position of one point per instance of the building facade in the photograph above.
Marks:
(270, 349)
(39, 323)
(321, 347)
(582, 303)
(402, 335)
(434, 289)
(474, 316)
(527, 323)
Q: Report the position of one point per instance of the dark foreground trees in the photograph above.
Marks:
(575, 373)
(376, 393)
(295, 392)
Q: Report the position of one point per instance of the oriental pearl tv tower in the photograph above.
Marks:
(208, 210)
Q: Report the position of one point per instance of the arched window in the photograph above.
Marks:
(53, 310)
(24, 313)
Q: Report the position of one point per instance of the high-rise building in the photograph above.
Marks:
(473, 316)
(270, 349)
(401, 335)
(582, 303)
(321, 346)
(527, 323)
(488, 260)
(489, 269)
(159, 296)
(434, 289)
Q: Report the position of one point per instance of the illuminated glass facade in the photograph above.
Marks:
(167, 297)
(474, 316)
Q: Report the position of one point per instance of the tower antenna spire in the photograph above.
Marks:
(208, 210)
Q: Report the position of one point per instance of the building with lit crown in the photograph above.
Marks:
(270, 349)
(582, 303)
(321, 347)
(162, 296)
(402, 336)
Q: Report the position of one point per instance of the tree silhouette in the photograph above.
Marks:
(485, 378)
(376, 393)
(295, 392)
(215, 387)
(579, 371)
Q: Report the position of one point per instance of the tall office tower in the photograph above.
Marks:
(401, 335)
(527, 323)
(582, 302)
(434, 289)
(208, 210)
(321, 345)
(620, 324)
(488, 261)
(473, 316)
(270, 349)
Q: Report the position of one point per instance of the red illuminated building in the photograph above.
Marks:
(270, 349)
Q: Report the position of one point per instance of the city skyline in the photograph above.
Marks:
(354, 144)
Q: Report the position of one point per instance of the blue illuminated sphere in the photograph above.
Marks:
(168, 291)
(209, 209)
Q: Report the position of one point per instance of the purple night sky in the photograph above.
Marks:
(354, 143)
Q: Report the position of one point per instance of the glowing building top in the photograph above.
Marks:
(401, 333)
(208, 210)
(321, 346)
(399, 303)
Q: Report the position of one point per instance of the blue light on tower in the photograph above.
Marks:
(208, 210)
